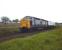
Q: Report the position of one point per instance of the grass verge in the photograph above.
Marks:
(50, 40)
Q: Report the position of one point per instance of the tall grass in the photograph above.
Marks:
(50, 40)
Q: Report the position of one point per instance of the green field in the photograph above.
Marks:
(6, 29)
(50, 40)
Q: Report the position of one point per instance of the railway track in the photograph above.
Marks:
(17, 35)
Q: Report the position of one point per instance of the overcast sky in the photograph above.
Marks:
(46, 9)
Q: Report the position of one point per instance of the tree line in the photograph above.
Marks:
(6, 20)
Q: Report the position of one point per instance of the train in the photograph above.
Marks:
(30, 23)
